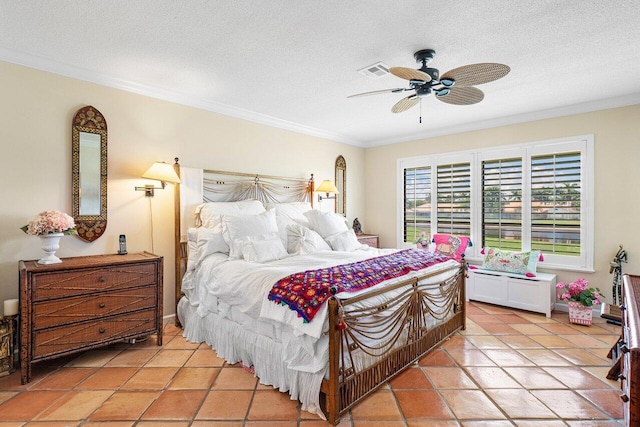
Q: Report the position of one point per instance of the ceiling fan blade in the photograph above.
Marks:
(465, 95)
(405, 103)
(410, 74)
(376, 92)
(477, 74)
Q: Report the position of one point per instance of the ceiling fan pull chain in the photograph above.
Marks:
(420, 110)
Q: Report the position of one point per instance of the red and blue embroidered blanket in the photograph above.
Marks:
(305, 292)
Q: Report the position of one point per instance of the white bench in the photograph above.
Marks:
(536, 294)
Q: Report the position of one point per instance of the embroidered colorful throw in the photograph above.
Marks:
(305, 292)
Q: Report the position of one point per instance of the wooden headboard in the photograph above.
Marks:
(204, 185)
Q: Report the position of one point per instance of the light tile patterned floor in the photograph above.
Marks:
(508, 368)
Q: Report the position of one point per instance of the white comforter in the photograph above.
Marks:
(238, 290)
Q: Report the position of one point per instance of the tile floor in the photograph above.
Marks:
(508, 368)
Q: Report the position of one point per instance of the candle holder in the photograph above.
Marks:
(7, 331)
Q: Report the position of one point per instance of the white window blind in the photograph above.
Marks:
(454, 198)
(417, 202)
(502, 203)
(556, 195)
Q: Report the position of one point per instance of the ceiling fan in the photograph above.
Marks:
(454, 87)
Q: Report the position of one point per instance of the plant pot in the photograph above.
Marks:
(579, 314)
(50, 243)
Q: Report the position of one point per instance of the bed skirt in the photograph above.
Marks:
(235, 344)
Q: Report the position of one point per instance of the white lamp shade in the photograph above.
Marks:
(162, 172)
(327, 186)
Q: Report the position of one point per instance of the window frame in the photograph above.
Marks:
(584, 144)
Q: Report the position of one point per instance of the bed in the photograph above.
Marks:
(343, 341)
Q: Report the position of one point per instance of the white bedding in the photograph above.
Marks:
(229, 297)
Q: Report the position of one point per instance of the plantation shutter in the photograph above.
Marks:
(555, 203)
(417, 202)
(454, 198)
(502, 203)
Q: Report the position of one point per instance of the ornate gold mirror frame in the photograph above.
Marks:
(89, 173)
(341, 185)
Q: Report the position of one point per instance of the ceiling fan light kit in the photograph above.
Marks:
(455, 87)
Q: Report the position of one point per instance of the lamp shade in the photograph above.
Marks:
(162, 172)
(327, 186)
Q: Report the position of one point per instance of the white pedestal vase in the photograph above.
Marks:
(50, 244)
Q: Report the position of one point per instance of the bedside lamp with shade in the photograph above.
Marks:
(327, 187)
(160, 171)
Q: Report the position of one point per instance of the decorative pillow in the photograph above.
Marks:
(302, 240)
(345, 241)
(210, 214)
(511, 262)
(294, 211)
(452, 246)
(237, 227)
(208, 241)
(192, 248)
(326, 223)
(263, 250)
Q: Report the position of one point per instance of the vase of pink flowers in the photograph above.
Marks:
(580, 298)
(50, 226)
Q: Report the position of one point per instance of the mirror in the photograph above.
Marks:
(89, 173)
(341, 185)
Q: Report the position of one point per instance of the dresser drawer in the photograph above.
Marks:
(368, 239)
(85, 335)
(88, 281)
(78, 309)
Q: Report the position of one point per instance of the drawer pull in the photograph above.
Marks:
(102, 279)
(624, 398)
(102, 305)
(102, 330)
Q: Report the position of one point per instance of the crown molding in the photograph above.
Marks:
(104, 79)
(587, 107)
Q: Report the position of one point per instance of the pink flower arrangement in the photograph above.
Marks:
(579, 291)
(50, 222)
(423, 241)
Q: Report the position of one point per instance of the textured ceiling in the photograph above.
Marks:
(292, 63)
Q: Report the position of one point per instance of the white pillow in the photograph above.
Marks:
(237, 227)
(292, 210)
(262, 250)
(209, 241)
(210, 214)
(192, 248)
(302, 240)
(326, 223)
(345, 241)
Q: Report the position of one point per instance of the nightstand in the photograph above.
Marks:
(369, 239)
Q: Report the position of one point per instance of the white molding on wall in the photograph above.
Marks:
(52, 66)
(108, 80)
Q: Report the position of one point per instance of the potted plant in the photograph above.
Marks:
(580, 297)
(50, 226)
(423, 241)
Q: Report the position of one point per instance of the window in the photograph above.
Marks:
(532, 196)
(454, 199)
(417, 203)
(502, 203)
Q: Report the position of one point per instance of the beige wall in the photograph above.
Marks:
(36, 109)
(617, 193)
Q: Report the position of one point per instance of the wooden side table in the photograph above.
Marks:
(372, 240)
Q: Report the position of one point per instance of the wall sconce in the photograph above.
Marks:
(162, 172)
(328, 187)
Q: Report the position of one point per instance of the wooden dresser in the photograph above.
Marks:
(369, 239)
(630, 350)
(87, 302)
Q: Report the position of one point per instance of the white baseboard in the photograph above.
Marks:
(169, 318)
